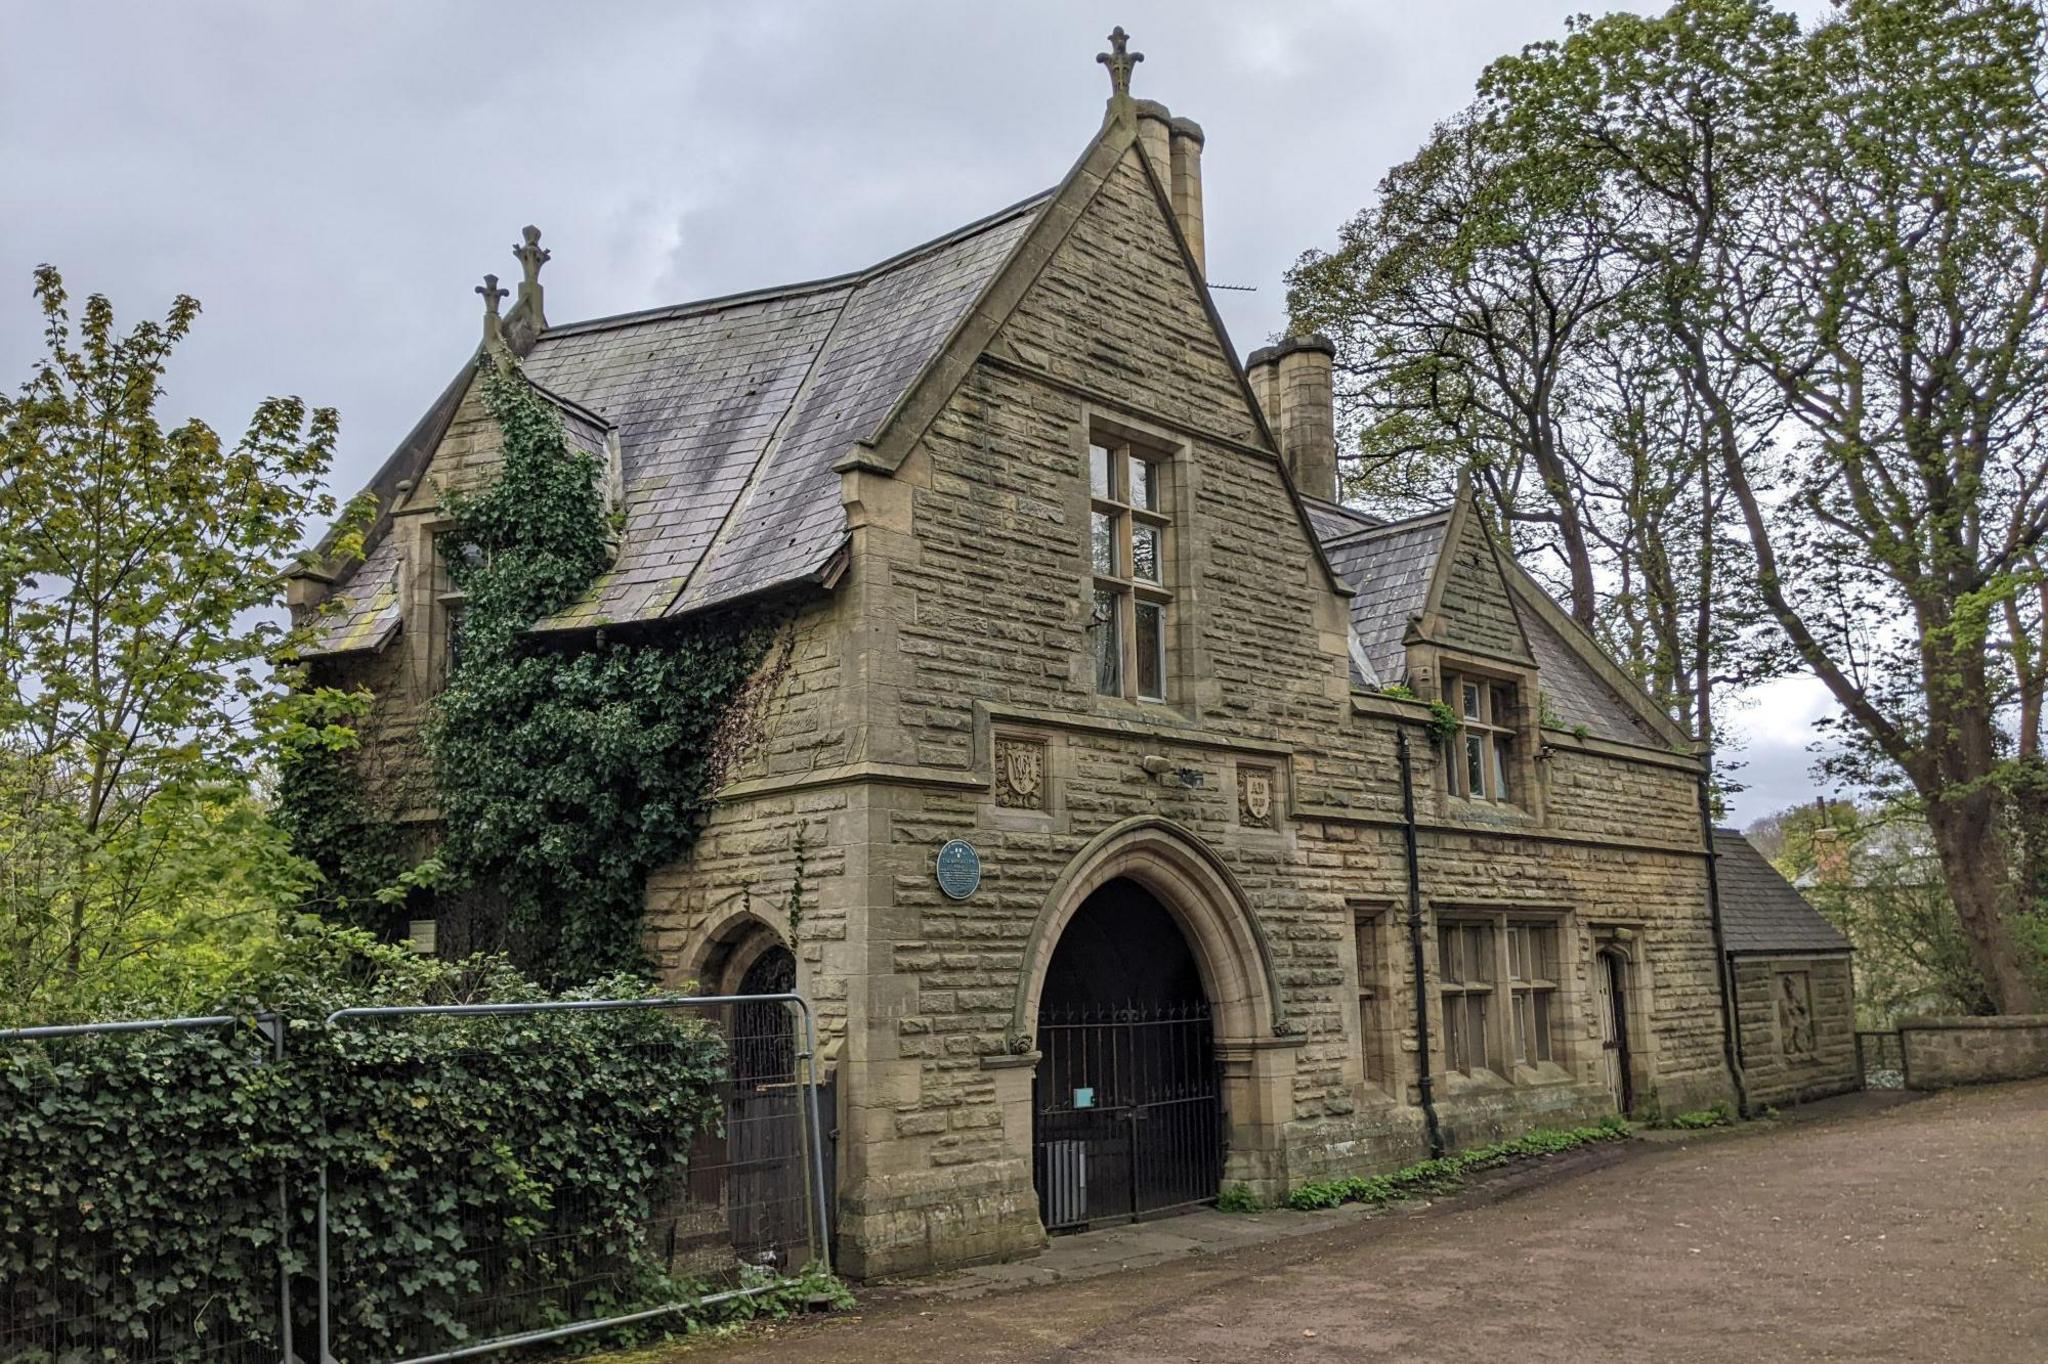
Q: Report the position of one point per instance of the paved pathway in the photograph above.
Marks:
(1917, 1233)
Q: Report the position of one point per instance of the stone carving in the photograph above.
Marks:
(1119, 59)
(531, 255)
(1795, 1014)
(1020, 774)
(1255, 794)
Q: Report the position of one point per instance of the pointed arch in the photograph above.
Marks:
(1197, 888)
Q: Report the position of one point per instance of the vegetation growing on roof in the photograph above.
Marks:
(563, 770)
(567, 772)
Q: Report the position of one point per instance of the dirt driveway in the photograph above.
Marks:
(1918, 1233)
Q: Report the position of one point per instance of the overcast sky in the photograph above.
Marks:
(332, 181)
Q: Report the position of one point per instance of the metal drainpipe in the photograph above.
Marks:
(1722, 976)
(1425, 1085)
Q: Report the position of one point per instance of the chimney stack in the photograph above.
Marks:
(1293, 384)
(1187, 186)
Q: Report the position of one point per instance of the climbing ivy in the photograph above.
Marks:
(567, 770)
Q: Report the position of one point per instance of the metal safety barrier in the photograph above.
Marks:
(736, 1205)
(91, 1295)
(731, 1208)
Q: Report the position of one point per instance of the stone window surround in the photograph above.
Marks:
(1565, 996)
(1429, 666)
(1377, 959)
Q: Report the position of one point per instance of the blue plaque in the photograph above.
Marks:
(959, 869)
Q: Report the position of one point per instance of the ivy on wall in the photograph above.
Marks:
(565, 769)
(566, 772)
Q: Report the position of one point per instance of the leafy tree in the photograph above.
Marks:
(141, 565)
(1836, 295)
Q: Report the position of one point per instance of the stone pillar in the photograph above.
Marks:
(1186, 143)
(1293, 383)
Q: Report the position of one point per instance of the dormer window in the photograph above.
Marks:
(1127, 534)
(1479, 759)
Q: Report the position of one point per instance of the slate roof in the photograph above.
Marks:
(1389, 568)
(730, 415)
(1760, 911)
(1572, 690)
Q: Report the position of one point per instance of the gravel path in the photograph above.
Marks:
(1916, 1233)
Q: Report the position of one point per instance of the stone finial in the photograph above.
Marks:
(493, 296)
(531, 256)
(1119, 59)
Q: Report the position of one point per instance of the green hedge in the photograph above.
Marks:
(469, 1159)
(1448, 1173)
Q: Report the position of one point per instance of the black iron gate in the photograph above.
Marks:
(1128, 1122)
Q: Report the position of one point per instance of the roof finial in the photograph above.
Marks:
(1119, 61)
(493, 295)
(531, 256)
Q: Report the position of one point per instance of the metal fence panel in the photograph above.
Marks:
(109, 1287)
(737, 1210)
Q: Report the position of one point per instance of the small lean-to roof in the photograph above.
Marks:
(1760, 910)
(729, 415)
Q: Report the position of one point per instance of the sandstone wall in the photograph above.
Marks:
(1944, 1052)
(1775, 1068)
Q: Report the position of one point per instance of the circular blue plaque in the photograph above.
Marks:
(959, 869)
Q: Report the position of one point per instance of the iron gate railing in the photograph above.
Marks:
(1128, 1114)
(1881, 1060)
(741, 1211)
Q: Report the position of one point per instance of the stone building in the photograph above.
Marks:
(1133, 864)
(1789, 980)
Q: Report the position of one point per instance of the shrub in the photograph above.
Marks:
(468, 1158)
(1238, 1198)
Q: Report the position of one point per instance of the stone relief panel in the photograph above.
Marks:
(1258, 795)
(1020, 773)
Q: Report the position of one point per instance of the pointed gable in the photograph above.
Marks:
(1117, 307)
(1469, 597)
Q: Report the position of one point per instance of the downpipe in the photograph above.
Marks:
(1425, 1084)
(1723, 977)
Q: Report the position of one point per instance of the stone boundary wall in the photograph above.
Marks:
(1943, 1052)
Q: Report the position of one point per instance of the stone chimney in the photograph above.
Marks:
(1187, 186)
(1293, 384)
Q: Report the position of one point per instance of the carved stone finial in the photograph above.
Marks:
(531, 255)
(493, 295)
(1119, 60)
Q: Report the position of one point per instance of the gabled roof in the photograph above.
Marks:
(1394, 567)
(1760, 911)
(729, 415)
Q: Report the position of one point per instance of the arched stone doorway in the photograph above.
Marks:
(1127, 1119)
(1217, 963)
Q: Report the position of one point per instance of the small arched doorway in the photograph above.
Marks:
(1127, 1118)
(1610, 984)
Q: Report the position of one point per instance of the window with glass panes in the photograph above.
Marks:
(1479, 759)
(1127, 539)
(1532, 992)
(1465, 970)
(1371, 1030)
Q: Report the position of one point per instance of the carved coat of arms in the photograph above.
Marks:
(1257, 796)
(1020, 773)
